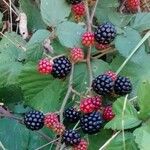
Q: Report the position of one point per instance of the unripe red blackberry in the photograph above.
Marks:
(34, 120)
(90, 104)
(111, 74)
(122, 86)
(78, 9)
(71, 137)
(101, 46)
(103, 85)
(83, 145)
(91, 123)
(132, 5)
(88, 39)
(76, 54)
(58, 128)
(72, 115)
(108, 113)
(105, 33)
(50, 120)
(73, 2)
(45, 66)
(61, 67)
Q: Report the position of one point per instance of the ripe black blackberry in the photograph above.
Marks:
(73, 2)
(105, 33)
(61, 67)
(34, 120)
(122, 86)
(91, 123)
(72, 115)
(71, 137)
(103, 84)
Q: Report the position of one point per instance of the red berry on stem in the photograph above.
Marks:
(112, 75)
(58, 128)
(108, 113)
(101, 46)
(90, 104)
(83, 145)
(76, 54)
(132, 5)
(45, 66)
(88, 39)
(50, 120)
(78, 9)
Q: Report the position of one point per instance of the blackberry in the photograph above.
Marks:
(34, 120)
(105, 33)
(61, 67)
(73, 2)
(122, 86)
(91, 123)
(103, 84)
(72, 115)
(71, 137)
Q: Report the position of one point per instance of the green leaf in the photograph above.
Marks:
(106, 3)
(38, 37)
(69, 34)
(126, 42)
(96, 141)
(54, 11)
(130, 116)
(33, 14)
(15, 136)
(117, 143)
(142, 136)
(144, 98)
(40, 90)
(142, 21)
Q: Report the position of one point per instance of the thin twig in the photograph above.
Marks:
(75, 92)
(93, 12)
(41, 147)
(10, 10)
(109, 140)
(147, 35)
(122, 122)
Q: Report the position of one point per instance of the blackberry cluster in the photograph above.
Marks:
(72, 115)
(61, 67)
(122, 86)
(105, 33)
(73, 2)
(34, 120)
(103, 84)
(91, 123)
(71, 137)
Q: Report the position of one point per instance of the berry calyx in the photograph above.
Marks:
(103, 85)
(61, 67)
(112, 75)
(34, 120)
(78, 18)
(105, 33)
(90, 104)
(100, 46)
(45, 66)
(83, 145)
(72, 115)
(71, 137)
(108, 113)
(91, 2)
(88, 39)
(132, 5)
(122, 86)
(76, 54)
(50, 120)
(78, 9)
(91, 123)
